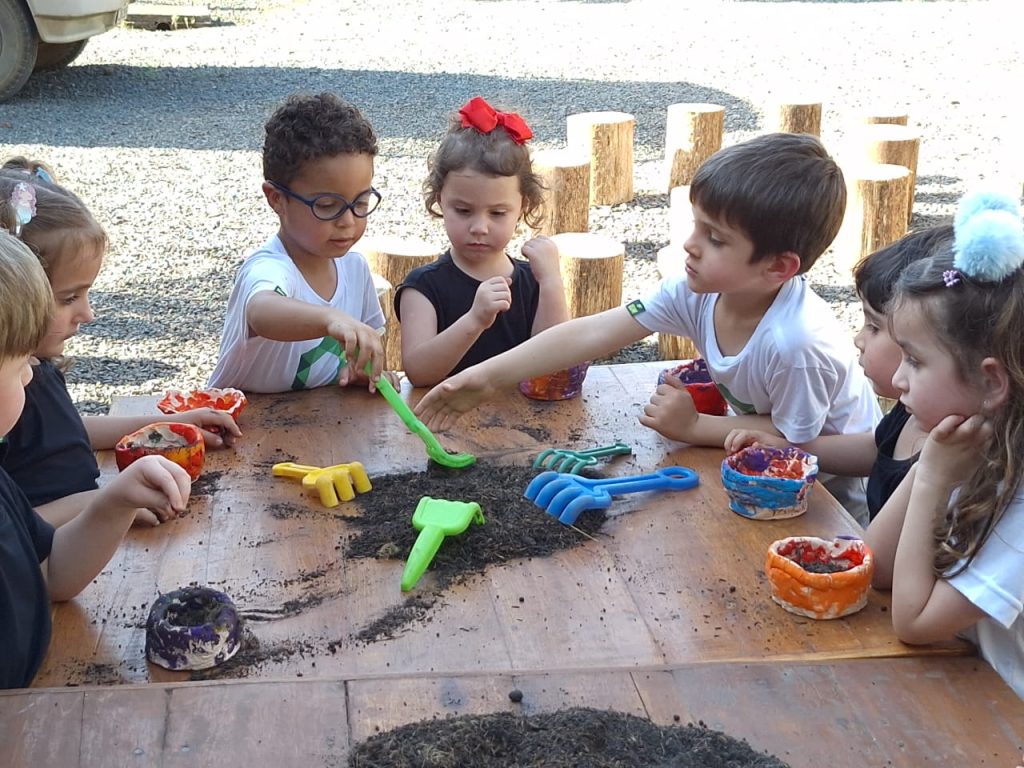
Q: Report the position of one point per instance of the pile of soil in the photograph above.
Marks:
(570, 738)
(514, 528)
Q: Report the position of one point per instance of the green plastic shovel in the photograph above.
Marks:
(435, 519)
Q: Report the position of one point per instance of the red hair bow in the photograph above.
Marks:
(480, 115)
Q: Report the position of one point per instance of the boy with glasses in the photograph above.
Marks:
(303, 312)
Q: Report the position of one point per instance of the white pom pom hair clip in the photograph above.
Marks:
(23, 203)
(988, 237)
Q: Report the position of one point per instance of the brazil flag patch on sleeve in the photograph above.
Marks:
(635, 307)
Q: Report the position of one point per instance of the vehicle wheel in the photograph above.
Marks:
(17, 47)
(57, 55)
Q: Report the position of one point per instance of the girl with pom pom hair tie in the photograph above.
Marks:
(475, 301)
(953, 555)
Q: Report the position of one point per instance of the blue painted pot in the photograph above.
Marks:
(766, 483)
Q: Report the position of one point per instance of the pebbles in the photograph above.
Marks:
(160, 132)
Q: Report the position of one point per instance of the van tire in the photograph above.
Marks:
(18, 41)
(57, 55)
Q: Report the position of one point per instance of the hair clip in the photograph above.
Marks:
(480, 115)
(23, 203)
(988, 236)
(42, 173)
(950, 277)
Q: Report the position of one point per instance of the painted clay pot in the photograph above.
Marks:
(818, 578)
(231, 401)
(695, 376)
(560, 385)
(769, 483)
(192, 628)
(180, 443)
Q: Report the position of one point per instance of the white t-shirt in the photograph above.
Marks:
(799, 366)
(255, 364)
(994, 581)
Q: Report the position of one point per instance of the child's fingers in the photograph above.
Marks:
(146, 517)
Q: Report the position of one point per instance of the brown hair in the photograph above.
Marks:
(782, 189)
(62, 227)
(875, 276)
(494, 154)
(307, 127)
(26, 301)
(975, 319)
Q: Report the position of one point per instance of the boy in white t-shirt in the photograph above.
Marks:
(305, 298)
(764, 211)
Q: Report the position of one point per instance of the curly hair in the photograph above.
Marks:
(62, 228)
(307, 127)
(782, 189)
(974, 320)
(493, 154)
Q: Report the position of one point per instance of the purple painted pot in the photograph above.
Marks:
(560, 385)
(192, 628)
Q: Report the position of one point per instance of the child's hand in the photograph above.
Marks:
(441, 407)
(953, 450)
(145, 518)
(362, 345)
(671, 411)
(153, 483)
(493, 296)
(360, 377)
(542, 253)
(741, 438)
(219, 428)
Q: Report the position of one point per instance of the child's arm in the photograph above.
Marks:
(847, 455)
(560, 346)
(272, 316)
(60, 511)
(105, 431)
(883, 534)
(429, 356)
(671, 413)
(85, 544)
(542, 253)
(925, 608)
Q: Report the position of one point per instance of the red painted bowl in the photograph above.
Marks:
(231, 401)
(181, 443)
(695, 376)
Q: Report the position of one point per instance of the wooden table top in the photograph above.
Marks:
(678, 578)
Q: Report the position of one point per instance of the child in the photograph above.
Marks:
(764, 211)
(476, 302)
(889, 453)
(49, 452)
(304, 298)
(953, 555)
(38, 564)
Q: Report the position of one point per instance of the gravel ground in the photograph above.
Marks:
(160, 131)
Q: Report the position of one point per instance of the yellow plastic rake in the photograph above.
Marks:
(334, 484)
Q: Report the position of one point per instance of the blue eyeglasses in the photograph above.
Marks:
(328, 207)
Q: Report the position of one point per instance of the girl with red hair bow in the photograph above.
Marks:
(476, 301)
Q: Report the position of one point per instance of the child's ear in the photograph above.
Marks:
(783, 266)
(996, 383)
(275, 198)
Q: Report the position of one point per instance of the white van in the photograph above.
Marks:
(48, 34)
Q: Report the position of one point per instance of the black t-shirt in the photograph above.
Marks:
(451, 291)
(887, 473)
(25, 541)
(48, 453)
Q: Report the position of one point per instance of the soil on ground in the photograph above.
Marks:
(570, 738)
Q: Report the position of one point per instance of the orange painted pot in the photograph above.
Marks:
(817, 578)
(231, 401)
(181, 443)
(560, 385)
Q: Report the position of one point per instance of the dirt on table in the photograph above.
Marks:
(514, 528)
(570, 738)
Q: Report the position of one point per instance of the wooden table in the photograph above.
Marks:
(669, 611)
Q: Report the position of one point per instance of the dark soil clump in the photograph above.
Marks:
(207, 484)
(571, 738)
(514, 527)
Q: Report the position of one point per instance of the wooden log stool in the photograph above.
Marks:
(566, 175)
(693, 133)
(876, 212)
(795, 117)
(680, 215)
(607, 138)
(392, 258)
(671, 263)
(879, 116)
(592, 268)
(892, 145)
